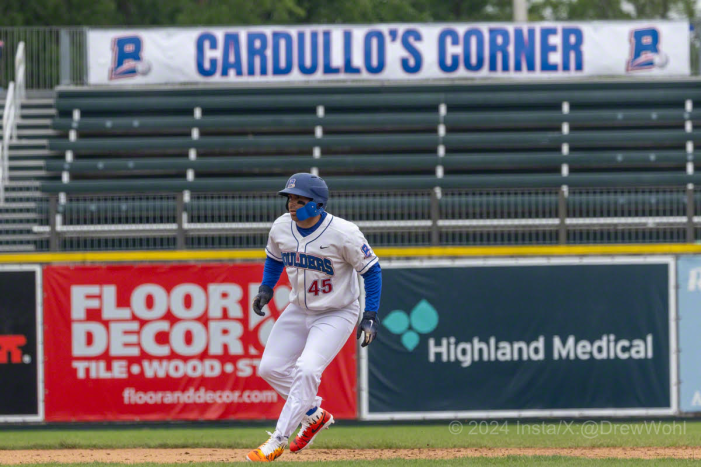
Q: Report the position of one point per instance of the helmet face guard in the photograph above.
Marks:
(309, 210)
(309, 186)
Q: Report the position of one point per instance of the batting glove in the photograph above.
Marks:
(265, 293)
(368, 325)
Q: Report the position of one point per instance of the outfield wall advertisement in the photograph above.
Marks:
(21, 384)
(512, 338)
(518, 337)
(387, 52)
(689, 274)
(167, 342)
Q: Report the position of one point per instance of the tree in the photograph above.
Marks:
(57, 12)
(235, 12)
(260, 12)
(610, 9)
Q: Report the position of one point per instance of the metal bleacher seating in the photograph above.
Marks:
(572, 162)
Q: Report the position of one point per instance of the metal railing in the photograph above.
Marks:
(16, 93)
(20, 82)
(387, 218)
(9, 132)
(54, 56)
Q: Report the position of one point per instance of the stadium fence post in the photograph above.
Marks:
(690, 213)
(53, 213)
(180, 235)
(562, 214)
(435, 216)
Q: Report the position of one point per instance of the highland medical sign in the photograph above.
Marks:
(448, 349)
(524, 338)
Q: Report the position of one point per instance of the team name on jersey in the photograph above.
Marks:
(307, 261)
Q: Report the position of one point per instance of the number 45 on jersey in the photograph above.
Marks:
(320, 286)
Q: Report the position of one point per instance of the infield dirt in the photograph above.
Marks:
(61, 456)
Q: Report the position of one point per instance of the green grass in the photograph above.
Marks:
(556, 434)
(496, 435)
(476, 462)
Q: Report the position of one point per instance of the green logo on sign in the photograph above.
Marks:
(421, 320)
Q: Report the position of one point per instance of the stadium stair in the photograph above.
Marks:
(21, 212)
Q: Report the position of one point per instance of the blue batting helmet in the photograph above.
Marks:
(309, 186)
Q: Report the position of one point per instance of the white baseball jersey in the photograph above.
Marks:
(323, 266)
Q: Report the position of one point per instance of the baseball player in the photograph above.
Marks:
(323, 255)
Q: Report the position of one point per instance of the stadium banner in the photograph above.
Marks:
(508, 338)
(167, 342)
(388, 52)
(689, 302)
(21, 385)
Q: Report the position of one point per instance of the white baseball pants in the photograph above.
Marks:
(301, 345)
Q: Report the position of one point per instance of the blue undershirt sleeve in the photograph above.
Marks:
(272, 271)
(373, 287)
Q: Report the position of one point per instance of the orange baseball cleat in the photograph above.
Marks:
(312, 425)
(270, 450)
